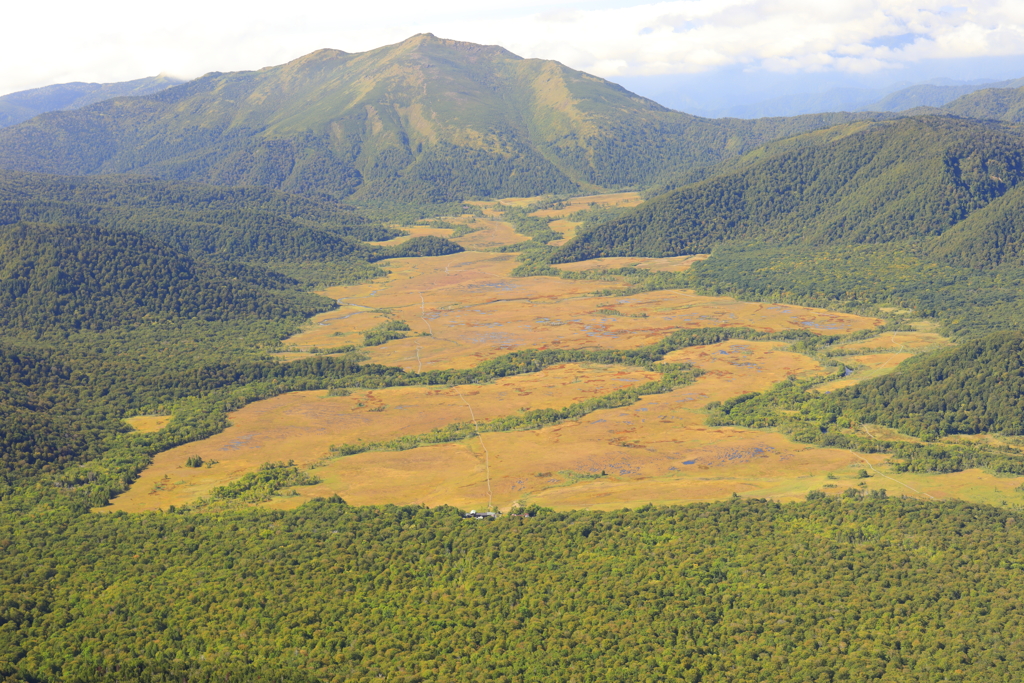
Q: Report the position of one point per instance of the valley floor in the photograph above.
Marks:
(466, 308)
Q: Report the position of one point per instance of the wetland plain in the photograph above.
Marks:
(466, 308)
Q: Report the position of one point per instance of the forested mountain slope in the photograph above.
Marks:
(973, 388)
(247, 224)
(425, 120)
(999, 104)
(98, 321)
(913, 178)
(81, 277)
(21, 106)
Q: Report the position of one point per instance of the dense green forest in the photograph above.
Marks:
(904, 180)
(973, 388)
(423, 245)
(849, 588)
(999, 104)
(246, 224)
(967, 301)
(923, 213)
(79, 277)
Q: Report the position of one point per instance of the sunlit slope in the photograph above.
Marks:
(861, 184)
(423, 120)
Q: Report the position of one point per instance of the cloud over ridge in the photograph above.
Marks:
(112, 40)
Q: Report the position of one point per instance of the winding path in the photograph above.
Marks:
(487, 454)
(923, 493)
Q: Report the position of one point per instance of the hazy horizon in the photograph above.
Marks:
(650, 47)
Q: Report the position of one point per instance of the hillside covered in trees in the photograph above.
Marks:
(230, 223)
(998, 104)
(860, 184)
(922, 213)
(974, 388)
(78, 277)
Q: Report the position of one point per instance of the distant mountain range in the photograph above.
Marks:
(22, 106)
(896, 98)
(996, 104)
(930, 95)
(425, 120)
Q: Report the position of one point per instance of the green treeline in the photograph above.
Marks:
(649, 357)
(969, 389)
(261, 485)
(423, 245)
(673, 376)
(533, 227)
(973, 388)
(63, 418)
(848, 588)
(967, 301)
(921, 213)
(71, 433)
(385, 332)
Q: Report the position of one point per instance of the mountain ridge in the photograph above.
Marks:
(914, 178)
(23, 105)
(402, 122)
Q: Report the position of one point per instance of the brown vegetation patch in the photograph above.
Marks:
(301, 426)
(885, 352)
(465, 308)
(415, 231)
(866, 367)
(657, 450)
(899, 341)
(619, 199)
(148, 423)
(564, 227)
(673, 264)
(495, 233)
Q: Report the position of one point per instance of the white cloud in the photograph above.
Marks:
(110, 40)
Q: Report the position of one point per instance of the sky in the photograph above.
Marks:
(828, 41)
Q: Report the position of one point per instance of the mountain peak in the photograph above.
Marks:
(429, 40)
(428, 119)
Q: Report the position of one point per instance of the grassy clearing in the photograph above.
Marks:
(566, 228)
(657, 450)
(672, 264)
(301, 426)
(466, 308)
(148, 423)
(880, 355)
